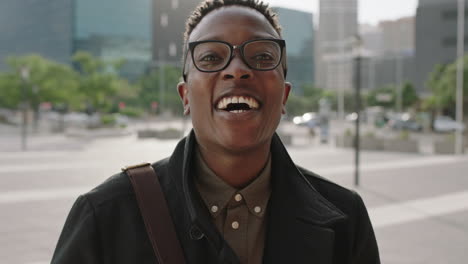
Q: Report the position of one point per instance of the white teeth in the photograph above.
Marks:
(223, 103)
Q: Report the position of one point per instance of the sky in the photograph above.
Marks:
(370, 11)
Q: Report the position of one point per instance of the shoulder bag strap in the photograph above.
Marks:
(155, 213)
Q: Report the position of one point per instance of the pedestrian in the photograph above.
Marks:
(233, 193)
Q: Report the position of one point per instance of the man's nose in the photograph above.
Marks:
(237, 69)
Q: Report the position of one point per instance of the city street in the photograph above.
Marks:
(418, 203)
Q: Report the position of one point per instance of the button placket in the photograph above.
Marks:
(235, 227)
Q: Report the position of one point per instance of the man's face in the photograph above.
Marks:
(205, 94)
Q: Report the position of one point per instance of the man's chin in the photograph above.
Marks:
(244, 142)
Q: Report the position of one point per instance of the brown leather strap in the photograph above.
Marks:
(155, 213)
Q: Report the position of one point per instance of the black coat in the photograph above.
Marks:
(310, 220)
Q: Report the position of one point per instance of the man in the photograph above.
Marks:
(233, 192)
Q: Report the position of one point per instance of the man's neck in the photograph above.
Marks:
(236, 169)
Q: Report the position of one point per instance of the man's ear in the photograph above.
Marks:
(287, 90)
(183, 93)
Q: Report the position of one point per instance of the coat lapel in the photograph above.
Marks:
(300, 219)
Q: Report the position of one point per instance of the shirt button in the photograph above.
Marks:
(257, 209)
(238, 197)
(214, 208)
(235, 225)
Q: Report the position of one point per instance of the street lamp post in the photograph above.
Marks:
(357, 44)
(460, 54)
(24, 72)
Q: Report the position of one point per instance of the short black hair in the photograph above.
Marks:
(207, 6)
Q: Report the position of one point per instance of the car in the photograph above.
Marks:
(447, 124)
(404, 122)
(309, 119)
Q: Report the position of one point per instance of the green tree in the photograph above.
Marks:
(409, 95)
(383, 96)
(151, 90)
(48, 81)
(442, 83)
(99, 84)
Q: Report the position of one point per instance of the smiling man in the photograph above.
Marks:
(233, 193)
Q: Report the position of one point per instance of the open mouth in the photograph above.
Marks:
(237, 104)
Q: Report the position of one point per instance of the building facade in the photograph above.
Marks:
(338, 23)
(115, 29)
(436, 37)
(169, 17)
(56, 29)
(300, 47)
(41, 27)
(390, 46)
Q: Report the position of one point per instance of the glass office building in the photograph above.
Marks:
(115, 29)
(298, 31)
(41, 27)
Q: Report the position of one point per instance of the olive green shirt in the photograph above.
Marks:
(239, 215)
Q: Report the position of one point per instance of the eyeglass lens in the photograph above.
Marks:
(259, 55)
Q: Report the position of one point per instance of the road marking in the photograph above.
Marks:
(381, 216)
(367, 167)
(44, 167)
(419, 209)
(399, 164)
(41, 195)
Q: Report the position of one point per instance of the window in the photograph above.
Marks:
(164, 20)
(172, 49)
(175, 4)
(452, 41)
(452, 14)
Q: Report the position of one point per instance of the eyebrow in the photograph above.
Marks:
(222, 39)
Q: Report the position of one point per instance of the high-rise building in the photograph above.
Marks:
(115, 29)
(436, 37)
(300, 47)
(390, 46)
(42, 27)
(372, 38)
(56, 29)
(338, 23)
(169, 17)
(398, 36)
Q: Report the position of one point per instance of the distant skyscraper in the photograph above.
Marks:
(436, 37)
(115, 29)
(56, 29)
(300, 47)
(398, 36)
(338, 23)
(42, 27)
(169, 18)
(390, 47)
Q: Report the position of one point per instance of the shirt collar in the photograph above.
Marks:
(215, 192)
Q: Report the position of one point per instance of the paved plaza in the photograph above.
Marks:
(418, 203)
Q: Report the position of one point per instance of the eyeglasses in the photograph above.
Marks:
(215, 55)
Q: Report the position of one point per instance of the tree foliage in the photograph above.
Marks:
(442, 83)
(47, 81)
(99, 84)
(168, 99)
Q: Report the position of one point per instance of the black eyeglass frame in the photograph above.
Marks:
(194, 44)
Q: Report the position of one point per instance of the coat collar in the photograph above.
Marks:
(299, 216)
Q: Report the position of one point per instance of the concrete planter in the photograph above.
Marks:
(170, 133)
(401, 145)
(344, 141)
(286, 138)
(371, 143)
(366, 143)
(444, 147)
